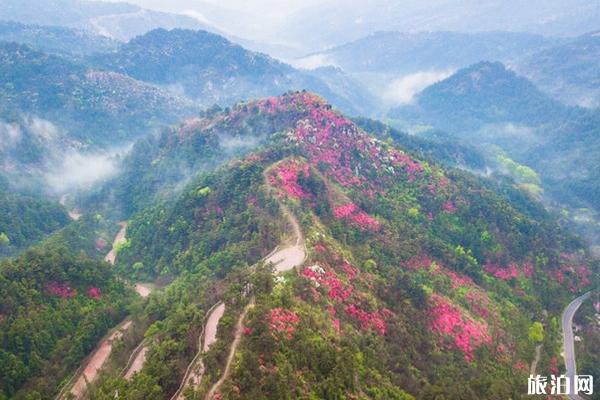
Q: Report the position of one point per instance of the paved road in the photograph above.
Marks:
(568, 341)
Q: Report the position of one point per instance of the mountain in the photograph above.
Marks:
(52, 106)
(333, 22)
(118, 21)
(406, 52)
(210, 69)
(569, 72)
(483, 93)
(56, 40)
(488, 105)
(420, 281)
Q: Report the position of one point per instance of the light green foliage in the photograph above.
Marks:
(536, 332)
(4, 240)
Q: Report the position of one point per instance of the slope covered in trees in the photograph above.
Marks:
(212, 70)
(487, 105)
(95, 107)
(420, 282)
(54, 307)
(25, 220)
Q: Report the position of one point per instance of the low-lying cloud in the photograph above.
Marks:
(10, 135)
(313, 62)
(402, 90)
(78, 170)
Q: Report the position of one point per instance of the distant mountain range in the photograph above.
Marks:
(332, 22)
(210, 69)
(484, 93)
(119, 21)
(51, 105)
(67, 42)
(404, 53)
(569, 72)
(487, 104)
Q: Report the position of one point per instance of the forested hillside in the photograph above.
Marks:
(25, 220)
(212, 70)
(421, 281)
(95, 107)
(542, 143)
(54, 307)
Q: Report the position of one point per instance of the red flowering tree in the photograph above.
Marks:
(283, 322)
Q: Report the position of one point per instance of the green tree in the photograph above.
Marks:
(536, 332)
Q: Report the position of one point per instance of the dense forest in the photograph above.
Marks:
(24, 220)
(54, 307)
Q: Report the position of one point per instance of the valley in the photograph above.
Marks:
(318, 200)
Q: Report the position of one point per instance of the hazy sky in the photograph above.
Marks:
(268, 8)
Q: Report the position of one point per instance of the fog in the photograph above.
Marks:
(10, 135)
(402, 90)
(79, 170)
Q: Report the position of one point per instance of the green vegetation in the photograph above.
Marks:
(421, 281)
(54, 307)
(536, 332)
(25, 220)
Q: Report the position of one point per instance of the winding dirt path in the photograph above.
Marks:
(239, 327)
(536, 359)
(95, 362)
(195, 371)
(284, 260)
(112, 254)
(137, 363)
(88, 372)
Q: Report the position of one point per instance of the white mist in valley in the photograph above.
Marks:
(78, 170)
(402, 90)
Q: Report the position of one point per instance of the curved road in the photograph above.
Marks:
(88, 372)
(568, 341)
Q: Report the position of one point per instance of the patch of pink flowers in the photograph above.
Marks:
(94, 293)
(286, 176)
(283, 321)
(62, 290)
(479, 304)
(464, 333)
(344, 211)
(365, 222)
(360, 219)
(336, 290)
(449, 207)
(100, 244)
(506, 274)
(369, 320)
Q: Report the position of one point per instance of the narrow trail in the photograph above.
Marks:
(89, 370)
(536, 359)
(111, 257)
(284, 257)
(568, 340)
(284, 260)
(239, 327)
(136, 360)
(195, 370)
